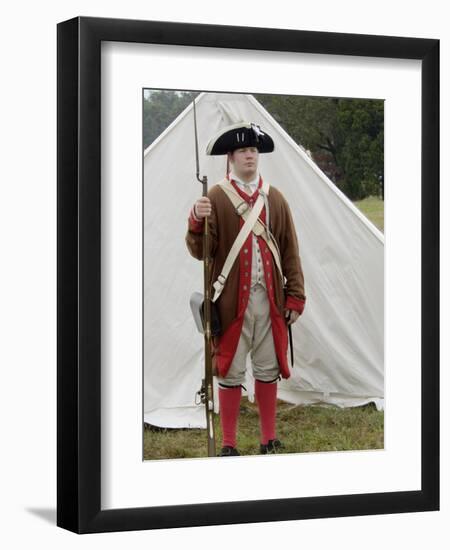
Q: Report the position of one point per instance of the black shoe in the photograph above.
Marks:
(273, 446)
(229, 451)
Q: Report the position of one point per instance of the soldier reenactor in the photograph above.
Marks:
(256, 279)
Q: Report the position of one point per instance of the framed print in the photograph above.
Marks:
(123, 338)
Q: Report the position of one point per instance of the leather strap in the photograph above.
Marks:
(260, 229)
(250, 220)
(252, 223)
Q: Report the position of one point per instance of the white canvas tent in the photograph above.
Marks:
(338, 341)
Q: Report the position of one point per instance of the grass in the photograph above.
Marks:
(372, 208)
(302, 429)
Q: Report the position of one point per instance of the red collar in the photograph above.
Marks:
(243, 194)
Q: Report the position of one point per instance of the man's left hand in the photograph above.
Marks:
(291, 316)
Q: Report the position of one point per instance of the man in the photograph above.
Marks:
(260, 290)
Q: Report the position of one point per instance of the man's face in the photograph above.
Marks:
(245, 162)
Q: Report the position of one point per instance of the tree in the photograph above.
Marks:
(161, 107)
(345, 137)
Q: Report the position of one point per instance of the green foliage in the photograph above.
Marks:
(344, 136)
(161, 107)
(361, 122)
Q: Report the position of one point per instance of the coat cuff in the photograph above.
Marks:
(296, 304)
(195, 225)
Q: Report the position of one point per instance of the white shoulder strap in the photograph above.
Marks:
(242, 236)
(260, 228)
(252, 222)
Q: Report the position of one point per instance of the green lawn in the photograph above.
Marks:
(372, 208)
(302, 429)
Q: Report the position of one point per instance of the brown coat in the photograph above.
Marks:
(224, 226)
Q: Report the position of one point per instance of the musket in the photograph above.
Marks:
(206, 392)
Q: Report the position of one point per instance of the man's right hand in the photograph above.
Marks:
(202, 208)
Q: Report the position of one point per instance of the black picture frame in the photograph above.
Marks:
(79, 275)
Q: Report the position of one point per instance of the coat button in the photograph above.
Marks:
(245, 287)
(245, 250)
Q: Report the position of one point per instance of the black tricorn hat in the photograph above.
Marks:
(242, 134)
